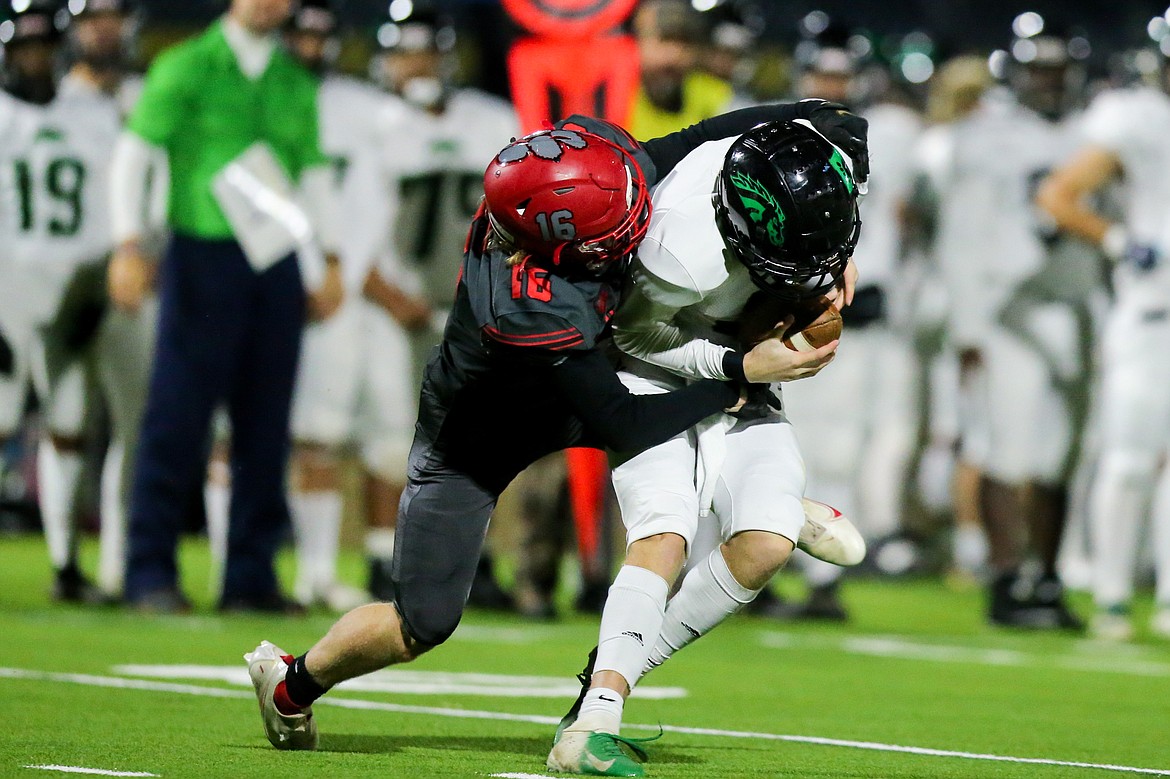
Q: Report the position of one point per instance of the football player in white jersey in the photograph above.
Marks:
(1124, 142)
(54, 225)
(430, 176)
(857, 422)
(353, 383)
(773, 214)
(101, 36)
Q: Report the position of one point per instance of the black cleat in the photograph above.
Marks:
(271, 603)
(1017, 603)
(166, 600)
(71, 586)
(585, 678)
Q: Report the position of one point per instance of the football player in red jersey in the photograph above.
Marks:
(522, 372)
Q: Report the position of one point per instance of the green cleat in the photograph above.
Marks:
(594, 753)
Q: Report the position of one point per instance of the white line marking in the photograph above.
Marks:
(408, 682)
(524, 776)
(903, 649)
(538, 719)
(72, 769)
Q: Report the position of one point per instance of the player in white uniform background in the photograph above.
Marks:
(1124, 142)
(1020, 321)
(101, 39)
(432, 146)
(857, 422)
(54, 226)
(351, 386)
(772, 213)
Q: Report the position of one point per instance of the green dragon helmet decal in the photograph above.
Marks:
(762, 206)
(838, 163)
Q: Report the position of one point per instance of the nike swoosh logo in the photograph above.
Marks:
(600, 765)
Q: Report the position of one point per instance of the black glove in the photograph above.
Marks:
(761, 401)
(848, 131)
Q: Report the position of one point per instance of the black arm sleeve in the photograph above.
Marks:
(667, 151)
(626, 422)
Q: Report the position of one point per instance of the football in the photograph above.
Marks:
(816, 322)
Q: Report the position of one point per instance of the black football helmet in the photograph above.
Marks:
(786, 206)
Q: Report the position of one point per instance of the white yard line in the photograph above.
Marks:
(407, 682)
(352, 703)
(526, 776)
(900, 648)
(73, 769)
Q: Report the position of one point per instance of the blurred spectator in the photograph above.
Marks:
(674, 92)
(237, 120)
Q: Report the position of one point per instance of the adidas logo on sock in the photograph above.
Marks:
(691, 630)
(636, 636)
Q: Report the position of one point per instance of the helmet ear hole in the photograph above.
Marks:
(563, 190)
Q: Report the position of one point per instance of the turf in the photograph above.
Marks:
(916, 667)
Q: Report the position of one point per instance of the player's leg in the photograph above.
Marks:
(758, 503)
(1134, 418)
(442, 521)
(59, 462)
(1160, 519)
(322, 418)
(125, 348)
(659, 506)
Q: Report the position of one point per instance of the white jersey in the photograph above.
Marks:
(984, 169)
(54, 178)
(1131, 124)
(349, 111)
(893, 136)
(431, 170)
(684, 280)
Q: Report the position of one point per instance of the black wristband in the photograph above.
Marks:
(733, 365)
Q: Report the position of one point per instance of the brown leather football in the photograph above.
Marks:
(816, 322)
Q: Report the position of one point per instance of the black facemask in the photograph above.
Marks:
(39, 91)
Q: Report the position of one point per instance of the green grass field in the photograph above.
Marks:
(917, 668)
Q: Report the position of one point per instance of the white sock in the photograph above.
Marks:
(316, 521)
(630, 622)
(380, 543)
(969, 548)
(1160, 520)
(112, 562)
(217, 501)
(1118, 506)
(709, 595)
(601, 710)
(59, 473)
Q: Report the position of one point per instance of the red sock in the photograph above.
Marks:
(284, 704)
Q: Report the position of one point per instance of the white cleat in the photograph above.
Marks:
(829, 535)
(1160, 622)
(1108, 626)
(267, 666)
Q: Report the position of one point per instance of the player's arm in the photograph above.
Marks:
(319, 190)
(1063, 194)
(832, 120)
(645, 327)
(626, 422)
(142, 149)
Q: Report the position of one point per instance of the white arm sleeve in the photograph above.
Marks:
(130, 175)
(645, 328)
(320, 198)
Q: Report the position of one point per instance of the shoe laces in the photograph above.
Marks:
(611, 745)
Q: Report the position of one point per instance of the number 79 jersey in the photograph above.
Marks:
(54, 173)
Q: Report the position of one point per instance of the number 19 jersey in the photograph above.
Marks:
(54, 216)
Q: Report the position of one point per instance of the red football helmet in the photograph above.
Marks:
(570, 196)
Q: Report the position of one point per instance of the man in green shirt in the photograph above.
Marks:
(235, 118)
